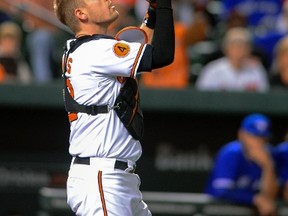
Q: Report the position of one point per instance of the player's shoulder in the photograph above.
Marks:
(230, 152)
(109, 42)
(101, 41)
(88, 41)
(233, 147)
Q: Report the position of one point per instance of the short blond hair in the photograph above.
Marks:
(240, 34)
(64, 10)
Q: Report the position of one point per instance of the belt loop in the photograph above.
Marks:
(72, 162)
(131, 166)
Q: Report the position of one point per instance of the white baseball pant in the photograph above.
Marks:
(99, 189)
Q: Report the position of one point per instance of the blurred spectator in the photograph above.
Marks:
(244, 172)
(4, 16)
(279, 73)
(40, 39)
(271, 39)
(40, 44)
(13, 67)
(261, 14)
(281, 24)
(238, 70)
(236, 19)
(266, 40)
(43, 36)
(188, 31)
(5, 12)
(199, 24)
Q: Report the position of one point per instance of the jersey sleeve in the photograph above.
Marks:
(146, 60)
(118, 58)
(225, 174)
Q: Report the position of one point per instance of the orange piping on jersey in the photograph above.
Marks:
(136, 61)
(72, 117)
(100, 185)
(129, 28)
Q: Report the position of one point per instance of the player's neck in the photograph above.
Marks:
(91, 31)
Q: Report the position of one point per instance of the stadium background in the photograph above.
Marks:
(183, 131)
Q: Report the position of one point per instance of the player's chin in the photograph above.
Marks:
(110, 19)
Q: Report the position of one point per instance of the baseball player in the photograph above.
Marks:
(102, 100)
(244, 171)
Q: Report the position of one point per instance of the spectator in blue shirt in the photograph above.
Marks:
(244, 169)
(259, 13)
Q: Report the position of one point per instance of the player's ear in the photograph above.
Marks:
(80, 13)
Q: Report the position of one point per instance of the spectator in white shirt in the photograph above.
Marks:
(238, 70)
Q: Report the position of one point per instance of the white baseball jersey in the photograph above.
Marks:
(95, 72)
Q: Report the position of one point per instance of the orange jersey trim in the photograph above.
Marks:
(136, 61)
(100, 185)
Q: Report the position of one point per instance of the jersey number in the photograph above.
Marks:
(68, 83)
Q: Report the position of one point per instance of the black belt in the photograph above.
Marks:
(118, 164)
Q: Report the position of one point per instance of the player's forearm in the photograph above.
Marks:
(264, 205)
(149, 21)
(268, 181)
(164, 36)
(269, 186)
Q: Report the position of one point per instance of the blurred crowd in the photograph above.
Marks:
(31, 42)
(229, 45)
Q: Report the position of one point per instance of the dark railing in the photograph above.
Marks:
(185, 100)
